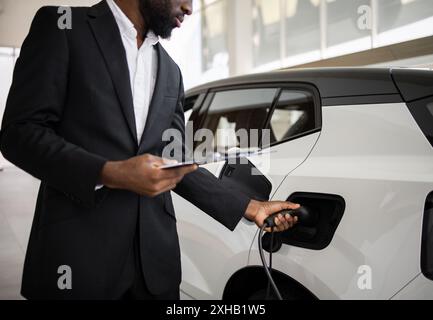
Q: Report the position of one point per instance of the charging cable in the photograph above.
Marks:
(304, 217)
(269, 223)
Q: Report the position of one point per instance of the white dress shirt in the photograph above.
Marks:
(142, 65)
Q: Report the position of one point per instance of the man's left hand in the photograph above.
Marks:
(260, 211)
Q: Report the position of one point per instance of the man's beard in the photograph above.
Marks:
(158, 17)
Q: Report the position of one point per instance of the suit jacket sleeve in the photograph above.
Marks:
(204, 190)
(34, 109)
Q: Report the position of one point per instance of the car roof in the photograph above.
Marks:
(331, 82)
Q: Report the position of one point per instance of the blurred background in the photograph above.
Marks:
(226, 38)
(232, 37)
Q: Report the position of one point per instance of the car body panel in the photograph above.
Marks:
(210, 252)
(207, 245)
(420, 288)
(384, 182)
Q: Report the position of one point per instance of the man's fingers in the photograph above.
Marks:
(277, 206)
(279, 223)
(187, 170)
(168, 161)
(276, 228)
(177, 173)
(291, 220)
(291, 206)
(168, 179)
(154, 160)
(167, 184)
(284, 223)
(150, 179)
(182, 172)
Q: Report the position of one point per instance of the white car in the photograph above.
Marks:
(355, 146)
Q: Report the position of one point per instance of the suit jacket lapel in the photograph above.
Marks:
(158, 96)
(108, 37)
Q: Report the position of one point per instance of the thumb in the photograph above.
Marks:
(169, 161)
(155, 161)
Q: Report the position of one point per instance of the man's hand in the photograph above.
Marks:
(143, 175)
(260, 211)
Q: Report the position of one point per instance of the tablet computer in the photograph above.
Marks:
(215, 158)
(178, 165)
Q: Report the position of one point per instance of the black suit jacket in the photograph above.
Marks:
(69, 111)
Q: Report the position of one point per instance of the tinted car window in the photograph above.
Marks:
(231, 111)
(190, 102)
(294, 115)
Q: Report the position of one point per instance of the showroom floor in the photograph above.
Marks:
(18, 193)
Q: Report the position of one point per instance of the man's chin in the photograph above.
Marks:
(165, 34)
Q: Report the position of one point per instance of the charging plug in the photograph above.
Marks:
(303, 214)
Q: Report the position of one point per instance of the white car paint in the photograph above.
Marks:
(384, 181)
(207, 245)
(418, 289)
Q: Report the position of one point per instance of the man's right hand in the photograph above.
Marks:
(143, 175)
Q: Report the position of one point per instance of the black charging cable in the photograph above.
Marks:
(304, 217)
(268, 289)
(269, 223)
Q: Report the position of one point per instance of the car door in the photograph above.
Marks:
(290, 117)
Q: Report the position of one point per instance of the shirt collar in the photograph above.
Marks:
(126, 27)
(152, 38)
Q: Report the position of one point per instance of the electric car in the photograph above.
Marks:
(355, 147)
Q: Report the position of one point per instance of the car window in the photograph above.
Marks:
(190, 102)
(192, 108)
(294, 115)
(231, 111)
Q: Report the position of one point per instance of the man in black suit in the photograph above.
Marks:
(104, 210)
